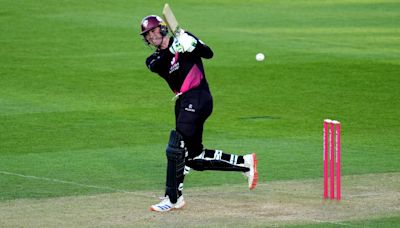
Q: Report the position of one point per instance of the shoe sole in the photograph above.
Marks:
(255, 178)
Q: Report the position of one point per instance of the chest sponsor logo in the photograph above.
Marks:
(174, 65)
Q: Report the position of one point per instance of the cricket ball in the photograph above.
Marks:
(260, 57)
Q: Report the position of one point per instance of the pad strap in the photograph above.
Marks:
(213, 161)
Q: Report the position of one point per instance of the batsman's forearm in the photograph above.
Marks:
(201, 49)
(154, 62)
(204, 51)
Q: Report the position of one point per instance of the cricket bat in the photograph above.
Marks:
(170, 20)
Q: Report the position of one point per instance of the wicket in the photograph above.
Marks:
(331, 151)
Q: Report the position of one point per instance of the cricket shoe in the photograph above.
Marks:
(250, 161)
(166, 205)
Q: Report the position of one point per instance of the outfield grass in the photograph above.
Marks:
(80, 114)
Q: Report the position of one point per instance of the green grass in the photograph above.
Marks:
(77, 103)
(381, 222)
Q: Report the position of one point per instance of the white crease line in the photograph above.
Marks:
(63, 182)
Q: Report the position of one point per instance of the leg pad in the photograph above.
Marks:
(176, 163)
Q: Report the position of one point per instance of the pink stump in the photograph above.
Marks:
(332, 160)
(338, 187)
(325, 157)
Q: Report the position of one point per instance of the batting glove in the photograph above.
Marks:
(187, 42)
(176, 47)
(179, 32)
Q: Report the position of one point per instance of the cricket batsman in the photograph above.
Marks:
(178, 60)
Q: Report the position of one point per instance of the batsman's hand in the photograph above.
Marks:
(187, 41)
(176, 47)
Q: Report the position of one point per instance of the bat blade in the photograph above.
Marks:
(170, 19)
